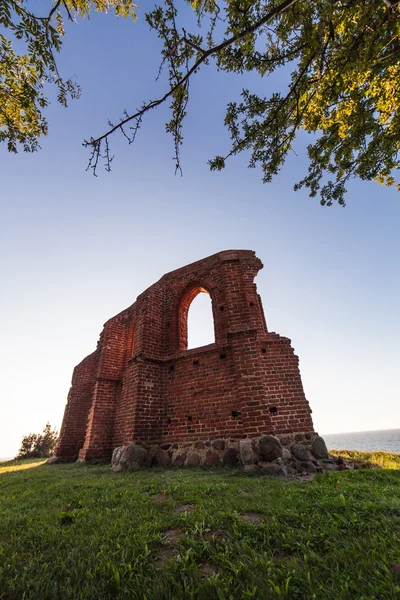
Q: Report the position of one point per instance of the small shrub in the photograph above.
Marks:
(38, 445)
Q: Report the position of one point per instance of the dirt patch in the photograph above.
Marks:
(164, 555)
(302, 478)
(184, 509)
(207, 570)
(160, 498)
(217, 535)
(252, 517)
(169, 549)
(396, 573)
(285, 558)
(173, 536)
(246, 493)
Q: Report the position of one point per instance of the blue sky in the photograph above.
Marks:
(76, 249)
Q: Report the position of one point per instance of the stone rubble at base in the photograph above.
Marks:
(297, 453)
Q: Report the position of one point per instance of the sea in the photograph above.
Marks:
(385, 440)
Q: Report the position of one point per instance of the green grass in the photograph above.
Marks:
(380, 459)
(20, 465)
(82, 532)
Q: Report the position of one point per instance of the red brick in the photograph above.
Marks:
(141, 385)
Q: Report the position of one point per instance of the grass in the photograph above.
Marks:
(380, 459)
(20, 465)
(84, 533)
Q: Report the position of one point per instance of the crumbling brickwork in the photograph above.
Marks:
(142, 385)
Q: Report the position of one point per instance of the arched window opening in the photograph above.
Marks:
(195, 306)
(200, 322)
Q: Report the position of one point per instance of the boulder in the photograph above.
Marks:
(161, 459)
(318, 448)
(300, 452)
(286, 454)
(153, 451)
(116, 455)
(231, 457)
(285, 441)
(199, 445)
(218, 445)
(291, 469)
(273, 469)
(133, 457)
(193, 460)
(269, 448)
(179, 460)
(53, 460)
(247, 456)
(330, 467)
(251, 468)
(309, 467)
(212, 459)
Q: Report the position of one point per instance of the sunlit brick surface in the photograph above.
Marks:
(143, 385)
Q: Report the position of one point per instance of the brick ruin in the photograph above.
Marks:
(143, 387)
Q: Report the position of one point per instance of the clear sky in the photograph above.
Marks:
(76, 249)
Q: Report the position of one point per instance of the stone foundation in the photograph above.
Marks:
(277, 455)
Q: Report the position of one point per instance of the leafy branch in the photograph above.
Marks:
(24, 77)
(178, 89)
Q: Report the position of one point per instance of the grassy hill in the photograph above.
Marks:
(84, 533)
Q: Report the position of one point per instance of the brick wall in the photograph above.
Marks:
(143, 385)
(73, 429)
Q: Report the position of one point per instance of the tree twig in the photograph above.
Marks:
(95, 143)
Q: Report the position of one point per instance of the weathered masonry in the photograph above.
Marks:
(142, 386)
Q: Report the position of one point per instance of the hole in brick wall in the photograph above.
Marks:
(169, 421)
(251, 303)
(264, 350)
(236, 413)
(273, 410)
(168, 324)
(200, 321)
(291, 403)
(189, 417)
(221, 308)
(195, 362)
(273, 372)
(171, 368)
(222, 356)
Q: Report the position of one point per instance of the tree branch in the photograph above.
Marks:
(274, 12)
